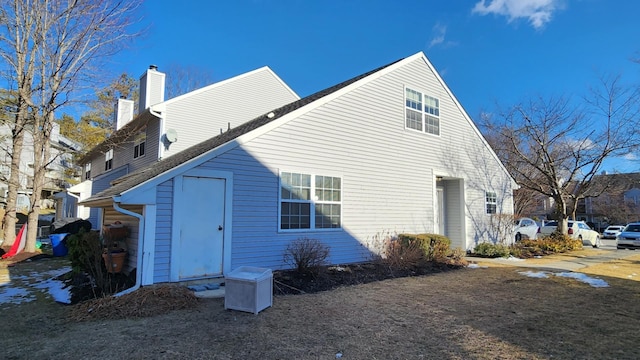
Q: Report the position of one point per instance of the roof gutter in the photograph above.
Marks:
(139, 251)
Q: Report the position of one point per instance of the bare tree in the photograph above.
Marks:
(19, 45)
(64, 39)
(183, 79)
(555, 149)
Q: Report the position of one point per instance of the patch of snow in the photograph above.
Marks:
(43, 281)
(513, 258)
(584, 278)
(56, 289)
(476, 266)
(15, 295)
(534, 274)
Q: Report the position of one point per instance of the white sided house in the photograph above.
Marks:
(164, 128)
(386, 152)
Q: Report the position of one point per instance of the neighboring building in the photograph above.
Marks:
(619, 204)
(60, 170)
(533, 204)
(386, 152)
(164, 128)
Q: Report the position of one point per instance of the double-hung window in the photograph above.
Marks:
(491, 201)
(310, 201)
(87, 171)
(422, 112)
(139, 143)
(108, 160)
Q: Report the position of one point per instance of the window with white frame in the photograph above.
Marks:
(491, 200)
(422, 112)
(139, 144)
(108, 160)
(310, 202)
(87, 171)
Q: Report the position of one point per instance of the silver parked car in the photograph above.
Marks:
(629, 238)
(612, 231)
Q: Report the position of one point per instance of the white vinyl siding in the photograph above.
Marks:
(212, 111)
(361, 135)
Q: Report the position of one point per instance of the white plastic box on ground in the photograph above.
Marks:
(249, 289)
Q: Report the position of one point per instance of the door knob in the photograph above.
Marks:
(219, 227)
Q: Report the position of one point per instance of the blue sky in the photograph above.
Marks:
(488, 52)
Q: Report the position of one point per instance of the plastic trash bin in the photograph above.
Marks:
(58, 245)
(249, 289)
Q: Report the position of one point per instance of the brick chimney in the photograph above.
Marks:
(151, 88)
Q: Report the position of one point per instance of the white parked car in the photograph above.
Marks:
(576, 230)
(525, 228)
(612, 231)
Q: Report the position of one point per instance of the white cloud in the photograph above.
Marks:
(538, 12)
(439, 36)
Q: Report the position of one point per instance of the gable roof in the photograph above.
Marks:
(129, 129)
(141, 175)
(240, 134)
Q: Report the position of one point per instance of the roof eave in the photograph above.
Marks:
(122, 132)
(97, 202)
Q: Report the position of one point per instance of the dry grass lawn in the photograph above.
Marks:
(628, 268)
(485, 313)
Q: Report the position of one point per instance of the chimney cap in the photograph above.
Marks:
(153, 67)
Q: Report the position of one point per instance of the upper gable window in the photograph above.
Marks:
(139, 144)
(422, 112)
(108, 160)
(87, 171)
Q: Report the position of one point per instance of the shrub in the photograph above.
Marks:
(85, 252)
(434, 247)
(457, 257)
(402, 255)
(306, 255)
(491, 250)
(555, 243)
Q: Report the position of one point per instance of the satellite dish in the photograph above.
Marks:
(171, 135)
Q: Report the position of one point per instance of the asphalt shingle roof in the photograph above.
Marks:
(144, 174)
(119, 136)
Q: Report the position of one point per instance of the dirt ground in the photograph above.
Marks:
(492, 312)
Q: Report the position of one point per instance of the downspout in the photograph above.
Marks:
(139, 251)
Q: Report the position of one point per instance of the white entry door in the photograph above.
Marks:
(201, 221)
(439, 211)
